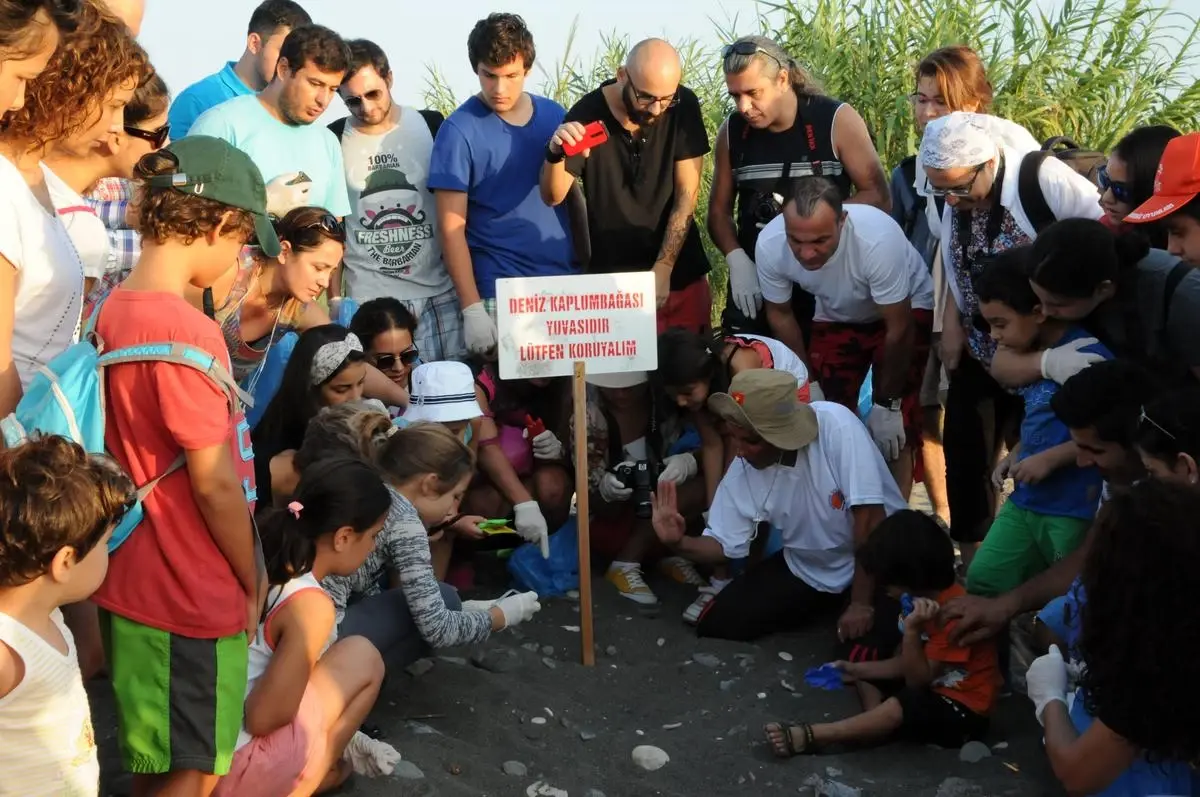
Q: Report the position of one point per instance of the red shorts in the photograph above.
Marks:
(841, 355)
(689, 308)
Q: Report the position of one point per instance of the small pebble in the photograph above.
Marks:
(548, 650)
(785, 656)
(974, 752)
(640, 733)
(611, 650)
(650, 758)
(515, 768)
(727, 685)
(453, 769)
(788, 685)
(408, 771)
(538, 720)
(549, 713)
(574, 629)
(419, 667)
(661, 642)
(532, 647)
(549, 662)
(762, 695)
(706, 660)
(459, 660)
(593, 793)
(586, 735)
(672, 726)
(1000, 746)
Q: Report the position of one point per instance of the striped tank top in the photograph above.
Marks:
(247, 355)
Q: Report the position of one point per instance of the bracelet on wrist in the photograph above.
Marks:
(553, 157)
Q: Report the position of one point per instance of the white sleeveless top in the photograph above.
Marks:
(47, 745)
(261, 650)
(782, 358)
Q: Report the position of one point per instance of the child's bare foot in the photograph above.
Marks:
(790, 740)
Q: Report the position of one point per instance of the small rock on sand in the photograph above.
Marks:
(661, 642)
(706, 660)
(785, 656)
(593, 793)
(532, 647)
(541, 789)
(419, 667)
(586, 735)
(957, 787)
(515, 768)
(459, 660)
(974, 752)
(727, 685)
(408, 771)
(670, 726)
(549, 662)
(538, 720)
(611, 650)
(497, 660)
(650, 758)
(548, 650)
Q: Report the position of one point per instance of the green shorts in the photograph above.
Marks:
(179, 700)
(1019, 545)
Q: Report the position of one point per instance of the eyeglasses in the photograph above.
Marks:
(330, 225)
(157, 137)
(748, 48)
(374, 95)
(646, 99)
(386, 362)
(1122, 192)
(1144, 418)
(960, 191)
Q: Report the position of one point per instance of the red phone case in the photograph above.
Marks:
(594, 134)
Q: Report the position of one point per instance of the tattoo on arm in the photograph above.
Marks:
(678, 225)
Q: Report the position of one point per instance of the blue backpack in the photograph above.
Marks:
(66, 398)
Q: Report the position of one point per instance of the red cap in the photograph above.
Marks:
(1176, 183)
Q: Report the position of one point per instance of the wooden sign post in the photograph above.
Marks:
(575, 326)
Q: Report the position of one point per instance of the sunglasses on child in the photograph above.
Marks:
(386, 362)
(157, 137)
(1121, 191)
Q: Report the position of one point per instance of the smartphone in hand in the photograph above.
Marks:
(594, 135)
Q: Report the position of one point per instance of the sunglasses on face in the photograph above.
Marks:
(748, 48)
(386, 362)
(374, 95)
(157, 137)
(960, 191)
(1120, 191)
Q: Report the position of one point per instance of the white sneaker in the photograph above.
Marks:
(691, 615)
(630, 584)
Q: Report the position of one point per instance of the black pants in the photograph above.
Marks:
(969, 460)
(733, 322)
(767, 599)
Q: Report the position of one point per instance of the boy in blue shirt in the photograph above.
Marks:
(1048, 514)
(484, 170)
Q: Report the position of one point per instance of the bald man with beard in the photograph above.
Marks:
(641, 184)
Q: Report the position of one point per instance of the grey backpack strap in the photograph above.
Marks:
(149, 486)
(182, 354)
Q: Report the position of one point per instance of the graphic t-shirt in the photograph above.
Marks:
(170, 574)
(392, 248)
(629, 184)
(510, 230)
(277, 148)
(873, 265)
(1070, 491)
(972, 674)
(49, 283)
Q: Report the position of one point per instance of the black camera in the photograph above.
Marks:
(640, 477)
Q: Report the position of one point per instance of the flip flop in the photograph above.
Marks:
(788, 748)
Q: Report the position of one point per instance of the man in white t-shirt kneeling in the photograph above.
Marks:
(874, 307)
(810, 471)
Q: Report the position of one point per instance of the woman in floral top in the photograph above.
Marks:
(978, 176)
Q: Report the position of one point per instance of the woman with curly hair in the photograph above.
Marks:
(1129, 727)
(74, 104)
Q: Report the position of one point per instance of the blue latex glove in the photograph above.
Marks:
(906, 607)
(825, 677)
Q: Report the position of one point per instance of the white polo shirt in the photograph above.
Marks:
(808, 502)
(874, 265)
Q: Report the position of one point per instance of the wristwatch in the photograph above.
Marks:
(553, 157)
(889, 404)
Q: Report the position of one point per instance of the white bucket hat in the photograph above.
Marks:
(442, 392)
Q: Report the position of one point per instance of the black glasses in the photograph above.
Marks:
(157, 137)
(646, 99)
(374, 95)
(959, 191)
(1144, 418)
(1122, 192)
(386, 362)
(748, 48)
(330, 225)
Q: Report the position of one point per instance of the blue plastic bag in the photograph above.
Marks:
(865, 394)
(825, 677)
(553, 577)
(264, 382)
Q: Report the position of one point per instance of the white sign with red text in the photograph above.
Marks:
(547, 324)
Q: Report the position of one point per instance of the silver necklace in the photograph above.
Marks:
(761, 515)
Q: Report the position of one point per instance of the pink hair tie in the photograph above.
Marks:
(294, 507)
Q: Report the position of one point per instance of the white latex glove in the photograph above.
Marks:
(815, 393)
(743, 283)
(1063, 362)
(479, 329)
(518, 608)
(1046, 681)
(531, 525)
(283, 198)
(370, 757)
(678, 468)
(547, 446)
(612, 490)
(887, 429)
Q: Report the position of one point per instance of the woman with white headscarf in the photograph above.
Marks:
(967, 163)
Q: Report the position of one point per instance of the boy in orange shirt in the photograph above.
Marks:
(936, 692)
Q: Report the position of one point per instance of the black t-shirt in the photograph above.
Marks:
(629, 184)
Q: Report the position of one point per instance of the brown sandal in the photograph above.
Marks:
(789, 749)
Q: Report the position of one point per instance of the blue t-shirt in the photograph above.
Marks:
(511, 232)
(277, 148)
(203, 95)
(1070, 491)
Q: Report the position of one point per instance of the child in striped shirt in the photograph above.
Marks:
(58, 506)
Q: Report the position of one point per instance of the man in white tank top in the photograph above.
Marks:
(392, 247)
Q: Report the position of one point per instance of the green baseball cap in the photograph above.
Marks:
(217, 170)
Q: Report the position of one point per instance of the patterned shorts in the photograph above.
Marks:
(439, 327)
(842, 354)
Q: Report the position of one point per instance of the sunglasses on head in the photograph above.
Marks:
(329, 225)
(748, 48)
(1121, 191)
(386, 362)
(374, 95)
(157, 137)
(1144, 418)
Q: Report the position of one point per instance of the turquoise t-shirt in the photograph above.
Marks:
(203, 95)
(277, 148)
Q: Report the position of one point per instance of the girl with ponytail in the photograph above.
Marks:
(306, 695)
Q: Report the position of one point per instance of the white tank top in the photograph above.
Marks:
(261, 650)
(782, 358)
(47, 745)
